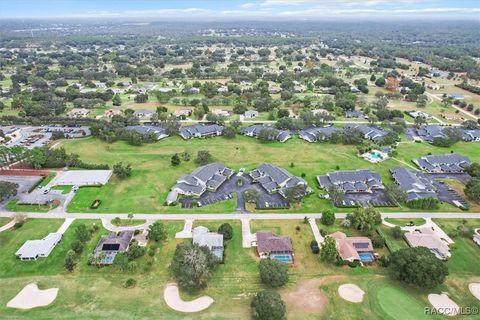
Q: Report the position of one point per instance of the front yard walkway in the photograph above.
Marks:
(186, 233)
(316, 233)
(247, 236)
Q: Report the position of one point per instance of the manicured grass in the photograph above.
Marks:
(127, 222)
(14, 206)
(65, 189)
(392, 243)
(403, 222)
(153, 176)
(47, 180)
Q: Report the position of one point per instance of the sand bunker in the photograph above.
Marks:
(306, 297)
(351, 293)
(443, 304)
(174, 301)
(32, 297)
(475, 289)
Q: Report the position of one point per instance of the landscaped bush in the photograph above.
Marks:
(130, 283)
(328, 218)
(378, 241)
(424, 203)
(226, 230)
(397, 232)
(314, 247)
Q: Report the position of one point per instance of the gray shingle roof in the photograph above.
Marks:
(351, 181)
(449, 163)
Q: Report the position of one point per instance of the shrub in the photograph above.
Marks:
(227, 231)
(378, 241)
(314, 247)
(328, 218)
(130, 283)
(397, 232)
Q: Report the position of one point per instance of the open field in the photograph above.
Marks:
(86, 293)
(153, 174)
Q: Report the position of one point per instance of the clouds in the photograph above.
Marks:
(238, 9)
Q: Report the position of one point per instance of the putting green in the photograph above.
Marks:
(396, 303)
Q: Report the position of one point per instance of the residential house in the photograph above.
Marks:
(192, 90)
(183, 112)
(208, 177)
(357, 181)
(78, 113)
(419, 114)
(220, 112)
(34, 249)
(353, 114)
(426, 237)
(320, 112)
(144, 113)
(456, 96)
(200, 131)
(249, 114)
(353, 248)
(112, 112)
(274, 247)
(449, 163)
(212, 240)
(274, 134)
(159, 131)
(471, 135)
(109, 246)
(275, 179)
(313, 134)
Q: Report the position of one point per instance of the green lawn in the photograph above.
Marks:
(146, 190)
(14, 206)
(403, 222)
(128, 222)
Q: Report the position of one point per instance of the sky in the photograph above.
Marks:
(241, 10)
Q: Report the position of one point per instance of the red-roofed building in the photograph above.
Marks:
(353, 248)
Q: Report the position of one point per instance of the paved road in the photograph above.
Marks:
(238, 216)
(459, 109)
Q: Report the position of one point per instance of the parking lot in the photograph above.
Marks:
(377, 198)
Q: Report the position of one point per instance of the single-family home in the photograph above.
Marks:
(274, 134)
(34, 249)
(220, 112)
(109, 246)
(144, 113)
(353, 248)
(456, 96)
(419, 114)
(274, 247)
(449, 163)
(353, 114)
(183, 112)
(200, 131)
(426, 237)
(212, 240)
(250, 114)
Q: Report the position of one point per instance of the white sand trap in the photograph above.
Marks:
(475, 289)
(173, 300)
(443, 304)
(351, 293)
(32, 297)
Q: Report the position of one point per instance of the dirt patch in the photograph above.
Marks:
(306, 296)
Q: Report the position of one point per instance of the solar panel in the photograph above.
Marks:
(111, 247)
(360, 245)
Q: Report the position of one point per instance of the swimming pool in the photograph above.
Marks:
(283, 258)
(375, 156)
(366, 257)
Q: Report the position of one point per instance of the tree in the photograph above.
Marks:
(7, 189)
(473, 170)
(273, 273)
(364, 219)
(472, 189)
(328, 218)
(192, 266)
(380, 82)
(141, 98)
(122, 171)
(157, 232)
(130, 283)
(378, 241)
(417, 266)
(251, 195)
(82, 233)
(135, 251)
(314, 247)
(175, 161)
(328, 250)
(203, 157)
(397, 232)
(227, 231)
(229, 132)
(116, 100)
(69, 262)
(396, 193)
(268, 305)
(296, 193)
(336, 194)
(36, 158)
